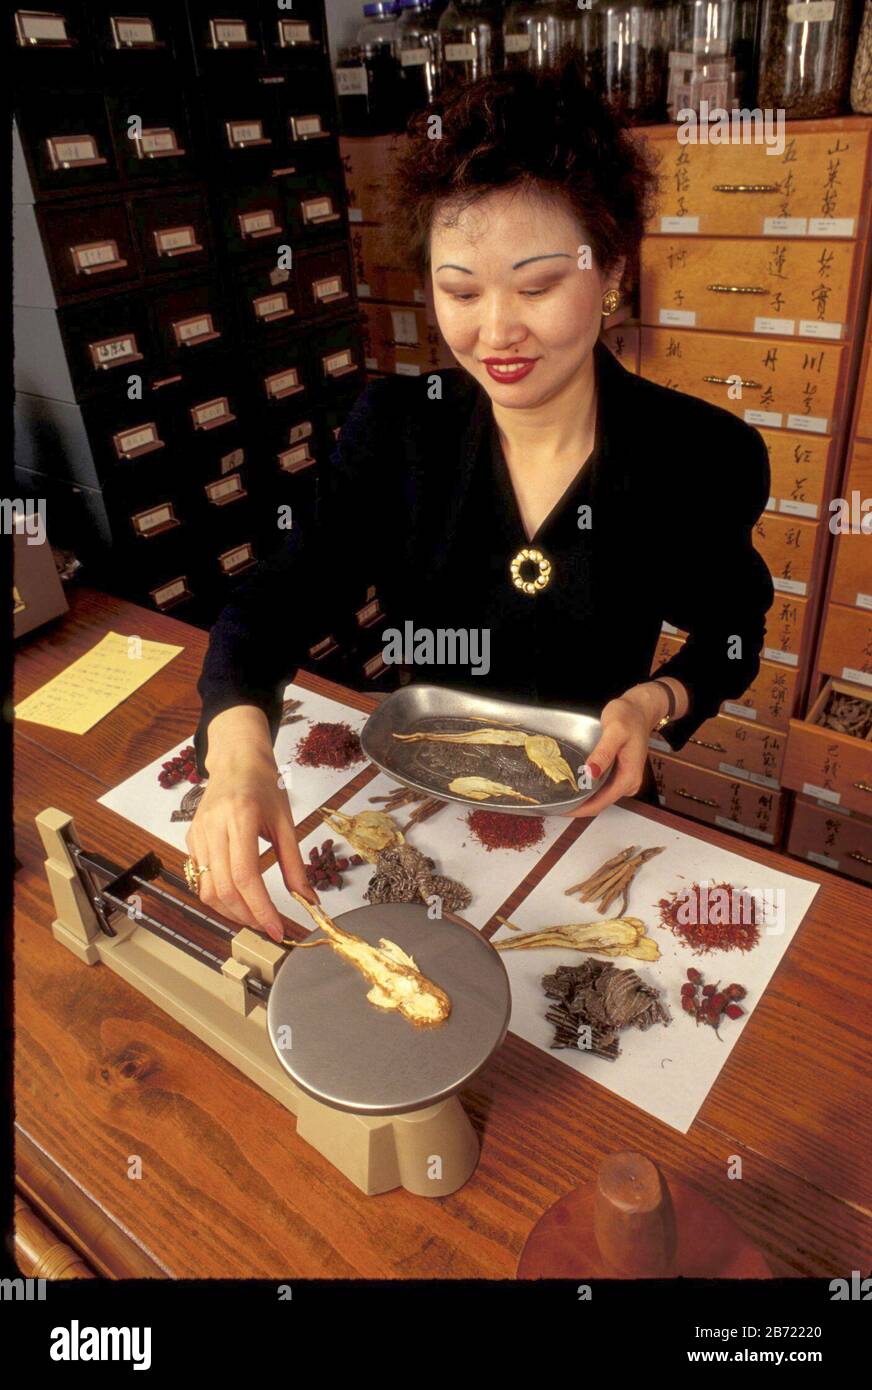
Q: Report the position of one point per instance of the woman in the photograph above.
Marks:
(637, 501)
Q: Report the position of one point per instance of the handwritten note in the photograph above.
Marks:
(94, 685)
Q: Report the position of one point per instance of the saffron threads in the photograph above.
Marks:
(719, 918)
(496, 830)
(329, 745)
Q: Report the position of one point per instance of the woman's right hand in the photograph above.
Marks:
(244, 798)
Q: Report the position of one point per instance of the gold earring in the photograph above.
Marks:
(611, 300)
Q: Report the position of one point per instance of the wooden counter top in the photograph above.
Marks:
(227, 1189)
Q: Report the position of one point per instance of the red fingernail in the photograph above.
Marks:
(593, 769)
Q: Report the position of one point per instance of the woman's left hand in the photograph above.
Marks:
(626, 728)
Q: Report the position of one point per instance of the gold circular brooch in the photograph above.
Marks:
(533, 560)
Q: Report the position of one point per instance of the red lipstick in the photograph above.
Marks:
(509, 369)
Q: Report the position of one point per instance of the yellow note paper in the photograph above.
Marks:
(94, 685)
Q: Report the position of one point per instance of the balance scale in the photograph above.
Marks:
(370, 1091)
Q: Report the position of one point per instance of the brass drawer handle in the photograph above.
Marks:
(689, 796)
(731, 381)
(715, 747)
(863, 787)
(746, 187)
(862, 858)
(737, 289)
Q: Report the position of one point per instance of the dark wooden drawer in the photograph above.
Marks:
(89, 247)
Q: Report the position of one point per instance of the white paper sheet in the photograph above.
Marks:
(142, 800)
(667, 1070)
(490, 875)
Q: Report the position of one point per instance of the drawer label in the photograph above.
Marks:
(793, 508)
(211, 413)
(176, 241)
(157, 142)
(770, 418)
(304, 127)
(679, 224)
(859, 677)
(407, 369)
(831, 226)
(789, 586)
(282, 383)
(292, 460)
(259, 223)
(155, 518)
(193, 329)
(225, 490)
(267, 306)
(785, 226)
(813, 328)
(228, 33)
(751, 831)
(233, 559)
(318, 210)
(812, 424)
(176, 588)
(112, 352)
(678, 318)
(142, 439)
(73, 151)
(301, 431)
(293, 31)
(740, 711)
(786, 327)
(863, 601)
(242, 133)
(96, 256)
(337, 363)
(823, 859)
(786, 658)
(132, 33)
(328, 288)
(34, 27)
(235, 459)
(821, 793)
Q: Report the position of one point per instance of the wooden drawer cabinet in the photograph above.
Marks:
(730, 803)
(852, 564)
(785, 385)
(770, 699)
(813, 188)
(846, 644)
(823, 763)
(785, 287)
(798, 465)
(825, 836)
(788, 546)
(735, 747)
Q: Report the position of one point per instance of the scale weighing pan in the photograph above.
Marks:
(343, 1051)
(415, 708)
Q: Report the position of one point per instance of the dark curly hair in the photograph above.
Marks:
(542, 129)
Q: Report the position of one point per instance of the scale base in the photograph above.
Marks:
(431, 1152)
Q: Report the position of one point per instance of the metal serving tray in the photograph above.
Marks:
(414, 706)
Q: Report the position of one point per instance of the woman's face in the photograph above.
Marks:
(513, 297)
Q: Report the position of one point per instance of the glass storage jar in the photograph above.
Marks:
(805, 57)
(418, 52)
(377, 41)
(536, 32)
(712, 54)
(352, 91)
(470, 40)
(861, 78)
(632, 37)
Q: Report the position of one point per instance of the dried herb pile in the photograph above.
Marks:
(497, 830)
(719, 918)
(404, 875)
(847, 714)
(329, 745)
(599, 995)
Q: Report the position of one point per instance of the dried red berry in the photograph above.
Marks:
(694, 975)
(688, 991)
(688, 1005)
(717, 1001)
(733, 1011)
(735, 991)
(341, 864)
(709, 989)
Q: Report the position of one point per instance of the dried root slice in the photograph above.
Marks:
(396, 981)
(480, 788)
(544, 751)
(368, 832)
(620, 936)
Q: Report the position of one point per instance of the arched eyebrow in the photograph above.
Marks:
(549, 256)
(552, 255)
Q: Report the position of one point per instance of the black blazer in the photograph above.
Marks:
(417, 500)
